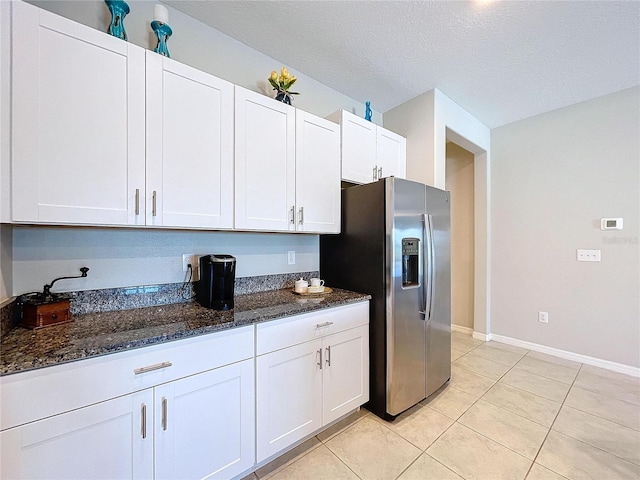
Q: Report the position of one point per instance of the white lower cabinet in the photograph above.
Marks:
(310, 370)
(289, 402)
(204, 425)
(192, 409)
(345, 379)
(183, 421)
(102, 441)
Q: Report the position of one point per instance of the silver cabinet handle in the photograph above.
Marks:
(137, 201)
(292, 213)
(320, 362)
(380, 173)
(329, 356)
(325, 324)
(143, 422)
(153, 203)
(164, 413)
(301, 215)
(151, 368)
(375, 173)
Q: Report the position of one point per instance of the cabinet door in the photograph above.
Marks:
(346, 372)
(205, 424)
(288, 396)
(264, 163)
(103, 441)
(78, 122)
(358, 149)
(317, 174)
(189, 146)
(392, 154)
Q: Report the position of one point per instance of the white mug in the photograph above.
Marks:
(316, 282)
(301, 286)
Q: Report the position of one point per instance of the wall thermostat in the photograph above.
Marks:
(611, 224)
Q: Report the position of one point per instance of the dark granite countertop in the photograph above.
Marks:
(96, 334)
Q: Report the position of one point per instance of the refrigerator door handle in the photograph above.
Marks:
(427, 267)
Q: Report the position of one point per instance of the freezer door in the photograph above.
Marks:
(406, 372)
(438, 318)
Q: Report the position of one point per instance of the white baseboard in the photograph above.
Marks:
(576, 357)
(469, 331)
(461, 329)
(485, 337)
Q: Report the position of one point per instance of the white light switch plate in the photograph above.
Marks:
(588, 255)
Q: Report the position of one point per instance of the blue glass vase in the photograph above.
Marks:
(163, 32)
(367, 113)
(283, 97)
(119, 10)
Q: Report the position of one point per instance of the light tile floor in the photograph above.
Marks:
(507, 413)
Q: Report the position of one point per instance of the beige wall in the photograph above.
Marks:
(554, 176)
(414, 120)
(460, 181)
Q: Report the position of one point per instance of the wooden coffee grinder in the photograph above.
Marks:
(44, 309)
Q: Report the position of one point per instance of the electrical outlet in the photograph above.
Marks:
(291, 257)
(543, 317)
(189, 258)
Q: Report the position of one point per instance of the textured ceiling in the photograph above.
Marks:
(502, 61)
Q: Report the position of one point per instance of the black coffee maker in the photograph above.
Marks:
(217, 279)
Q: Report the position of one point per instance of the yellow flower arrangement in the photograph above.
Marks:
(282, 83)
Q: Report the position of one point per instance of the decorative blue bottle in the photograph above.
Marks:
(367, 113)
(119, 10)
(163, 32)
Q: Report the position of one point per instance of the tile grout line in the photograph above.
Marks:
(526, 391)
(603, 418)
(424, 451)
(587, 413)
(339, 459)
(551, 427)
(456, 420)
(515, 413)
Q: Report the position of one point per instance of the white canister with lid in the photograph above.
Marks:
(301, 286)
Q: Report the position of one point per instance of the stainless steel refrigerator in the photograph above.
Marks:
(395, 245)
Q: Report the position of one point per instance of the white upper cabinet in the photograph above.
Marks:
(358, 148)
(189, 146)
(106, 133)
(369, 151)
(317, 174)
(287, 162)
(391, 154)
(264, 163)
(78, 123)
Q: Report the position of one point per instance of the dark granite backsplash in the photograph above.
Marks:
(109, 299)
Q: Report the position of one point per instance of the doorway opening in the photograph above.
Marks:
(459, 180)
